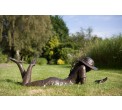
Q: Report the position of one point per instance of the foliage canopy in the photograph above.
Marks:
(25, 34)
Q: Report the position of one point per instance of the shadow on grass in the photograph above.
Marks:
(11, 81)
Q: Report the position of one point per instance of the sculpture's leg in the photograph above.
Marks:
(19, 64)
(82, 74)
(27, 77)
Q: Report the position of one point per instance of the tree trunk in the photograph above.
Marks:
(17, 54)
(12, 52)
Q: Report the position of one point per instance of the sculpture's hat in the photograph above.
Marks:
(88, 62)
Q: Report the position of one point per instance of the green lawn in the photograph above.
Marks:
(9, 76)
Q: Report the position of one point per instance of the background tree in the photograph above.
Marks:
(50, 50)
(26, 35)
(89, 33)
(60, 28)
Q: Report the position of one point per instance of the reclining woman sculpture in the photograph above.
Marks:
(77, 73)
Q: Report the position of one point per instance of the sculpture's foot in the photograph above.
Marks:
(101, 81)
(33, 62)
(16, 61)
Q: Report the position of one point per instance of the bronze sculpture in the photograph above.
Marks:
(101, 80)
(77, 73)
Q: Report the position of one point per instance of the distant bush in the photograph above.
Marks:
(107, 52)
(67, 54)
(52, 61)
(3, 58)
(60, 62)
(41, 61)
(29, 59)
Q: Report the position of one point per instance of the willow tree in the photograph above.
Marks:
(27, 34)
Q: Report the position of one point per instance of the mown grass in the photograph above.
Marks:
(9, 76)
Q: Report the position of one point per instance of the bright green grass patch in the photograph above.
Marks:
(9, 76)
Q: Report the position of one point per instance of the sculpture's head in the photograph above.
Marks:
(88, 62)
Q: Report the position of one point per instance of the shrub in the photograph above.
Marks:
(107, 52)
(3, 58)
(52, 61)
(41, 61)
(60, 62)
(67, 54)
(28, 59)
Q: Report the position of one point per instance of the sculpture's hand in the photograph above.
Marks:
(101, 80)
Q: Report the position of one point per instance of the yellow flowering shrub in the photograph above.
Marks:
(60, 62)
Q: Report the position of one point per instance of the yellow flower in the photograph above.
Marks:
(60, 62)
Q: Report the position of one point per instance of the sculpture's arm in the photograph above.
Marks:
(82, 74)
